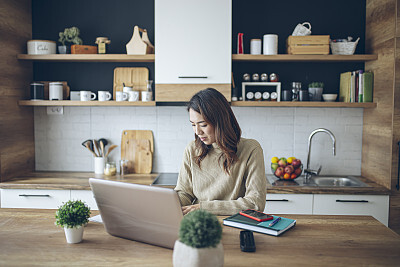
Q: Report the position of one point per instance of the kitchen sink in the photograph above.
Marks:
(337, 181)
(319, 181)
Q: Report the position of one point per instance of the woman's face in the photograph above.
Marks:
(201, 128)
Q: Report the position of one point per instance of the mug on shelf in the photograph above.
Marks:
(121, 96)
(133, 95)
(302, 30)
(127, 89)
(146, 96)
(104, 95)
(87, 96)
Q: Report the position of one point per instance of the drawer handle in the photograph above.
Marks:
(358, 201)
(284, 200)
(192, 77)
(25, 195)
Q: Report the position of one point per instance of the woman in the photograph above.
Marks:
(221, 172)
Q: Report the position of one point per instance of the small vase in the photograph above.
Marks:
(185, 255)
(74, 235)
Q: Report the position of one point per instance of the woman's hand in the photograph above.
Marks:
(187, 209)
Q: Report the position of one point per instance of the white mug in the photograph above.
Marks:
(55, 91)
(301, 30)
(127, 89)
(133, 95)
(255, 46)
(121, 96)
(146, 96)
(270, 44)
(104, 96)
(87, 96)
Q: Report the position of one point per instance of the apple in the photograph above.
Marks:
(274, 166)
(297, 171)
(296, 163)
(282, 162)
(289, 169)
(279, 171)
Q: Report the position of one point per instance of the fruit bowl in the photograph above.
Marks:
(286, 169)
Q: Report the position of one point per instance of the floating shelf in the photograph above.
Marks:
(304, 58)
(84, 103)
(309, 104)
(88, 57)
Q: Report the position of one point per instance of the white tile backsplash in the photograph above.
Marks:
(280, 131)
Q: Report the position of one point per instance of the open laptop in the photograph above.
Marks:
(138, 212)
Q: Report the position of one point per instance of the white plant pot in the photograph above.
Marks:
(74, 235)
(185, 255)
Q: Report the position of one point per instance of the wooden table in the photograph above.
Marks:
(29, 237)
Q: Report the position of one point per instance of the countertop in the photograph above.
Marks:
(79, 181)
(29, 237)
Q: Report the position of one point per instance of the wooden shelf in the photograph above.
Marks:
(84, 103)
(304, 58)
(302, 104)
(88, 58)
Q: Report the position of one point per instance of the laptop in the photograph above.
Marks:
(141, 213)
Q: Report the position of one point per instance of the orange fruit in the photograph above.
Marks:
(286, 176)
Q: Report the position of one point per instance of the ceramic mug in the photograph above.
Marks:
(55, 91)
(87, 96)
(104, 95)
(302, 30)
(127, 89)
(121, 96)
(146, 96)
(133, 95)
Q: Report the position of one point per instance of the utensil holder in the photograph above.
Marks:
(99, 163)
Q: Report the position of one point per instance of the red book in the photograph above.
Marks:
(240, 49)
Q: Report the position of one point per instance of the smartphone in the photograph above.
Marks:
(256, 215)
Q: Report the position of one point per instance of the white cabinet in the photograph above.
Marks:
(192, 47)
(289, 204)
(33, 198)
(86, 196)
(375, 205)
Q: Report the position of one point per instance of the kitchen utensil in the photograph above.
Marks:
(111, 148)
(132, 77)
(97, 146)
(137, 151)
(99, 163)
(87, 145)
(103, 142)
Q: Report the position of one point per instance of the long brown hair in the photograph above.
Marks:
(215, 109)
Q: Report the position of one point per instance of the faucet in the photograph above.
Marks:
(308, 172)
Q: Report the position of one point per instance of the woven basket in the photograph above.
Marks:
(344, 48)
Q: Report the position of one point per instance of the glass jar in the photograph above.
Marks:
(110, 169)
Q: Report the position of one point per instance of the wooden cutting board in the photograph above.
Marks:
(137, 146)
(132, 77)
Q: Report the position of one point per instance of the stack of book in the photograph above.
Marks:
(356, 86)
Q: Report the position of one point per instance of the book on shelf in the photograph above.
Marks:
(356, 86)
(243, 222)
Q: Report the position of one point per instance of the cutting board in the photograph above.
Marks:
(137, 146)
(132, 77)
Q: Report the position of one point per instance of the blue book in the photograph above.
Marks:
(243, 222)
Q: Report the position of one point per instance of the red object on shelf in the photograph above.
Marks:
(240, 49)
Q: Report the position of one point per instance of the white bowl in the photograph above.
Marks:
(329, 97)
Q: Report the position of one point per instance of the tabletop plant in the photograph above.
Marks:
(316, 85)
(199, 241)
(70, 35)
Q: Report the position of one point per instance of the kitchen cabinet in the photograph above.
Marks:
(328, 204)
(193, 48)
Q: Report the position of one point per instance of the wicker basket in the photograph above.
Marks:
(344, 48)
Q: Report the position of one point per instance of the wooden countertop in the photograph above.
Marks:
(79, 181)
(29, 236)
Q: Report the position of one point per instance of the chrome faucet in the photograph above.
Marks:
(308, 172)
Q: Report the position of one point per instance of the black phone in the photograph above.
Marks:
(256, 215)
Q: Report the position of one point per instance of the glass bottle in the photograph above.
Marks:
(296, 87)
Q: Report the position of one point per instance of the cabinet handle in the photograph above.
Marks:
(284, 200)
(25, 195)
(192, 77)
(398, 170)
(358, 201)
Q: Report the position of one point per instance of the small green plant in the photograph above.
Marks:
(316, 85)
(73, 213)
(70, 35)
(200, 229)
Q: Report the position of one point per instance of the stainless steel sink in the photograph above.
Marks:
(337, 181)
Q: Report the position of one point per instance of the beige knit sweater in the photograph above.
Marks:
(217, 192)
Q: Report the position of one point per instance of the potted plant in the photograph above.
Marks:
(70, 35)
(315, 90)
(73, 215)
(199, 241)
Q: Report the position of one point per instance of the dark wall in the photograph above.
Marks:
(112, 19)
(339, 19)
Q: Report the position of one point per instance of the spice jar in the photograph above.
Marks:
(250, 96)
(123, 164)
(257, 96)
(101, 44)
(265, 96)
(110, 169)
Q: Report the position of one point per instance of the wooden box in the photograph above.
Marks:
(308, 45)
(83, 49)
